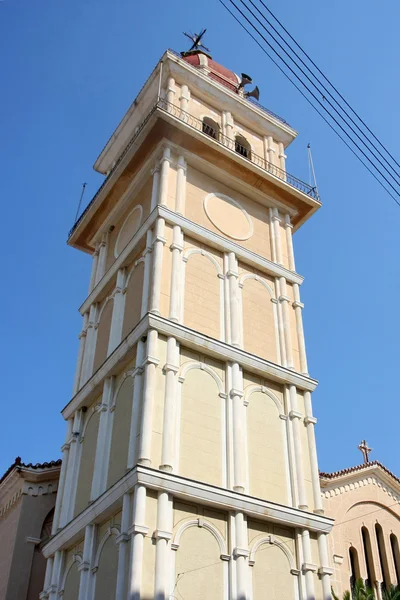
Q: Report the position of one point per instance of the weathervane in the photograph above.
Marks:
(196, 39)
(363, 447)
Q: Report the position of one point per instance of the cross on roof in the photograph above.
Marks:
(363, 447)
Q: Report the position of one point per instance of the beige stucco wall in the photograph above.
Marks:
(120, 431)
(88, 443)
(8, 531)
(103, 333)
(166, 273)
(71, 588)
(133, 298)
(362, 501)
(106, 576)
(158, 409)
(149, 548)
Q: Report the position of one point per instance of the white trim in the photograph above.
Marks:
(293, 570)
(137, 207)
(111, 531)
(251, 389)
(100, 312)
(237, 205)
(76, 558)
(188, 366)
(203, 524)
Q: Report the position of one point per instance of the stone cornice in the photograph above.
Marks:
(352, 479)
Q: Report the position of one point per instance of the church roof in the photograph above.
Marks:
(216, 71)
(356, 469)
(19, 464)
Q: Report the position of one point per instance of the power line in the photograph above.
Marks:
(396, 178)
(303, 94)
(305, 85)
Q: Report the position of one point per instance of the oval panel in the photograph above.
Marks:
(228, 216)
(128, 229)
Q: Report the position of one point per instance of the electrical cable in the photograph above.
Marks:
(307, 88)
(308, 100)
(396, 178)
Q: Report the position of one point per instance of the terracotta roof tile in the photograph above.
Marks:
(373, 463)
(18, 463)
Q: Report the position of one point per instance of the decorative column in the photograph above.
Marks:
(269, 153)
(149, 384)
(81, 353)
(175, 309)
(289, 242)
(281, 333)
(101, 263)
(93, 275)
(284, 302)
(55, 576)
(277, 235)
(155, 189)
(90, 346)
(180, 185)
(296, 420)
(86, 563)
(138, 532)
(239, 425)
(310, 421)
(170, 90)
(61, 481)
(233, 276)
(298, 308)
(117, 318)
(185, 97)
(158, 247)
(162, 536)
(308, 567)
(241, 556)
(227, 121)
(170, 369)
(164, 174)
(122, 540)
(47, 579)
(282, 157)
(103, 441)
(146, 274)
(71, 476)
(325, 572)
(136, 400)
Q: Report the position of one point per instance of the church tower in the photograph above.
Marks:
(189, 466)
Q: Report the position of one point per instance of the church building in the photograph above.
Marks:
(189, 465)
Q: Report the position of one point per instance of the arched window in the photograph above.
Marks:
(242, 146)
(382, 555)
(211, 128)
(354, 567)
(396, 555)
(368, 557)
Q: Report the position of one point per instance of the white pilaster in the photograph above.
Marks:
(310, 422)
(325, 571)
(117, 318)
(284, 302)
(270, 152)
(298, 308)
(150, 365)
(147, 273)
(101, 263)
(289, 242)
(158, 247)
(171, 369)
(229, 127)
(185, 97)
(175, 309)
(81, 353)
(55, 576)
(296, 419)
(171, 90)
(233, 276)
(227, 307)
(276, 220)
(308, 567)
(181, 186)
(86, 563)
(61, 482)
(155, 188)
(162, 536)
(90, 346)
(282, 157)
(239, 425)
(136, 401)
(122, 541)
(241, 555)
(95, 258)
(281, 332)
(103, 441)
(138, 532)
(47, 579)
(71, 476)
(164, 174)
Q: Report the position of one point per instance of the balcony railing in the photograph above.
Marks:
(208, 131)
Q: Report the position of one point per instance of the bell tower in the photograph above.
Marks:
(189, 466)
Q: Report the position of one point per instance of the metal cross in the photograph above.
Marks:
(363, 447)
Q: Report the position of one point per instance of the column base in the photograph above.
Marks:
(238, 488)
(166, 468)
(145, 462)
(303, 507)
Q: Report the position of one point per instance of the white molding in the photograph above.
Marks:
(188, 366)
(190, 491)
(137, 207)
(202, 523)
(76, 558)
(238, 206)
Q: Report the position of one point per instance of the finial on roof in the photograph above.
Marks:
(363, 447)
(196, 39)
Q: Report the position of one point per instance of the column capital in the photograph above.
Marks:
(159, 534)
(295, 414)
(237, 552)
(122, 537)
(84, 566)
(175, 246)
(138, 529)
(150, 360)
(65, 446)
(284, 298)
(307, 567)
(159, 238)
(325, 571)
(297, 304)
(170, 367)
(43, 595)
(232, 273)
(310, 420)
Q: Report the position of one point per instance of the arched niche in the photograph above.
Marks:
(200, 572)
(273, 573)
(71, 580)
(122, 411)
(103, 333)
(106, 567)
(133, 300)
(266, 443)
(200, 451)
(202, 297)
(128, 229)
(258, 317)
(88, 448)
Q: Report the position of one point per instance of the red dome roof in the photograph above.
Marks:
(215, 70)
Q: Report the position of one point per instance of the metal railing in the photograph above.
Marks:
(213, 133)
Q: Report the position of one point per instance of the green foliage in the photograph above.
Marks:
(360, 592)
(393, 593)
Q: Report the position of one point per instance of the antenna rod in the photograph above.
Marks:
(311, 168)
(80, 200)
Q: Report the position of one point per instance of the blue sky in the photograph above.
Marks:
(69, 72)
